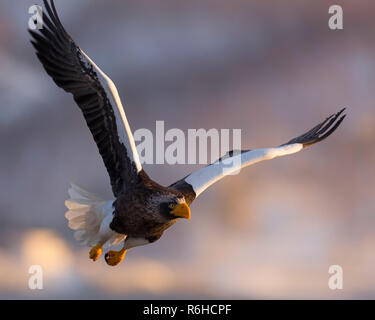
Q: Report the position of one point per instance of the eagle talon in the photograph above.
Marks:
(113, 258)
(95, 252)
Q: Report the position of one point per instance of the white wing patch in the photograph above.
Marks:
(123, 129)
(201, 179)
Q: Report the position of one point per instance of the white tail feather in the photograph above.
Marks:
(90, 216)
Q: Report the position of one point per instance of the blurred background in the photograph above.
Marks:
(271, 68)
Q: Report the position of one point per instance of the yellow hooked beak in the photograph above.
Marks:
(182, 210)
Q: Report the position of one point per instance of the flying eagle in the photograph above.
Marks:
(142, 209)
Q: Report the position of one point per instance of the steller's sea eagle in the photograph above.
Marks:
(142, 209)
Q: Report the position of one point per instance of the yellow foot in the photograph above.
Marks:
(95, 252)
(113, 258)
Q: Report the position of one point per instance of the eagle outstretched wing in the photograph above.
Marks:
(198, 181)
(95, 94)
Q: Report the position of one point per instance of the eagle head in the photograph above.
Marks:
(175, 207)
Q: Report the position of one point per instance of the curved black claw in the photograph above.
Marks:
(321, 131)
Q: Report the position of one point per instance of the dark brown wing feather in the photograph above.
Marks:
(321, 131)
(71, 71)
(186, 189)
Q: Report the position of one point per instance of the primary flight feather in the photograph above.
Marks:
(142, 209)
